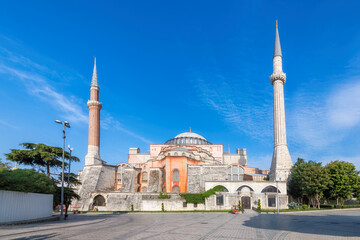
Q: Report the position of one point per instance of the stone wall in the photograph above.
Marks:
(116, 201)
(198, 175)
(94, 178)
(128, 181)
(155, 180)
(257, 187)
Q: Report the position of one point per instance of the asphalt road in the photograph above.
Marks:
(335, 224)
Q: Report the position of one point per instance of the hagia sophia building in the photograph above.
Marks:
(187, 163)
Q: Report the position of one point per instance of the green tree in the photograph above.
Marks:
(317, 181)
(310, 179)
(345, 180)
(69, 196)
(73, 179)
(297, 182)
(40, 155)
(4, 165)
(26, 180)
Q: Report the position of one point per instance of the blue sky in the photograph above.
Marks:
(165, 66)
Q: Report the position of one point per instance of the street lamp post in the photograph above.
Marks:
(70, 150)
(65, 124)
(277, 194)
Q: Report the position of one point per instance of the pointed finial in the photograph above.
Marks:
(190, 129)
(15, 168)
(95, 57)
(94, 81)
(277, 47)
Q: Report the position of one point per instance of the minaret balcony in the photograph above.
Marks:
(92, 104)
(278, 76)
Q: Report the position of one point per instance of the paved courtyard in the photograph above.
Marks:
(336, 224)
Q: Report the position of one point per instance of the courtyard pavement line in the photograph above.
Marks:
(51, 228)
(327, 210)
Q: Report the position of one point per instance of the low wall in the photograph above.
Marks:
(20, 206)
(117, 201)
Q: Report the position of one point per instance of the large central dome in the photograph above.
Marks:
(188, 138)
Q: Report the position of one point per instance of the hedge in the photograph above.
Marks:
(200, 197)
(351, 206)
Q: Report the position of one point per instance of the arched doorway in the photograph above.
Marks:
(245, 202)
(99, 200)
(176, 189)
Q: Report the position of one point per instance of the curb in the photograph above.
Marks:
(325, 210)
(48, 219)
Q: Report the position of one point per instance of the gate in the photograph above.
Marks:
(245, 202)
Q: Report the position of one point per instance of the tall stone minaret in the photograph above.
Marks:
(281, 160)
(93, 155)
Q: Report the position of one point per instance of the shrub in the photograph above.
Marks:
(200, 197)
(294, 205)
(327, 206)
(259, 205)
(162, 207)
(26, 180)
(351, 206)
(132, 207)
(239, 205)
(163, 196)
(304, 206)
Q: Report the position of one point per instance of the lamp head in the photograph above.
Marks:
(58, 121)
(67, 124)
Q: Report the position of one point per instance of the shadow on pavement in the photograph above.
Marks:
(332, 225)
(39, 237)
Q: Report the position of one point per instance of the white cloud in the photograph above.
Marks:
(319, 120)
(109, 123)
(240, 108)
(344, 105)
(37, 80)
(6, 124)
(38, 85)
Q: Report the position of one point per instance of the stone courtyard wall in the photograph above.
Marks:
(117, 201)
(198, 175)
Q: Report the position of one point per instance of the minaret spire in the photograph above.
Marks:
(281, 160)
(277, 47)
(94, 81)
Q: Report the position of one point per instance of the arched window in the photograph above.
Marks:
(220, 188)
(176, 189)
(244, 189)
(175, 154)
(176, 176)
(269, 189)
(236, 173)
(99, 200)
(144, 177)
